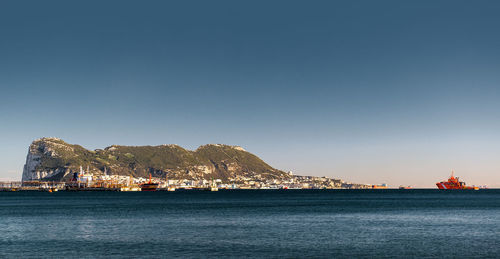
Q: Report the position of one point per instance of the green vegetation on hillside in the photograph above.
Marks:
(208, 161)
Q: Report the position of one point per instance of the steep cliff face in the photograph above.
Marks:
(48, 159)
(30, 168)
(54, 159)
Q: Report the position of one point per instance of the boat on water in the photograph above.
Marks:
(454, 183)
(130, 189)
(213, 187)
(404, 187)
(51, 189)
(170, 188)
(382, 186)
(209, 188)
(149, 186)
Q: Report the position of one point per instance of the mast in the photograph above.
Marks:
(80, 176)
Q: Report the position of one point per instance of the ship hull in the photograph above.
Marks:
(451, 186)
(149, 187)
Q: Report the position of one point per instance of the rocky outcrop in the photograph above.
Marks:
(37, 151)
(54, 159)
(30, 168)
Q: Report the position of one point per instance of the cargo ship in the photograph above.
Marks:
(454, 183)
(382, 186)
(149, 186)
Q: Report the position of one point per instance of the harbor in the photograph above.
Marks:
(47, 186)
(83, 181)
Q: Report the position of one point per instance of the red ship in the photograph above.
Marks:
(149, 186)
(454, 183)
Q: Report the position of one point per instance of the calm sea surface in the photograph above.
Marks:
(246, 223)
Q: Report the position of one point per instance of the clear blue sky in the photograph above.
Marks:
(396, 92)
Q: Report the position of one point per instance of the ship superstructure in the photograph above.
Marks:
(149, 186)
(454, 183)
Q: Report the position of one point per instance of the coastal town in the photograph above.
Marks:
(55, 165)
(83, 181)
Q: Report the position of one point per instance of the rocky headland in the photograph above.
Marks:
(52, 159)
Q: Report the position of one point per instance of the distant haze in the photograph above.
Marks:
(396, 92)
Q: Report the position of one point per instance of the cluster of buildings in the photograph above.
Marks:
(291, 182)
(89, 181)
(299, 182)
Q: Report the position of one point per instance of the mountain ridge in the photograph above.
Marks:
(55, 160)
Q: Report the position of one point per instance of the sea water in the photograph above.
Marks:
(251, 223)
